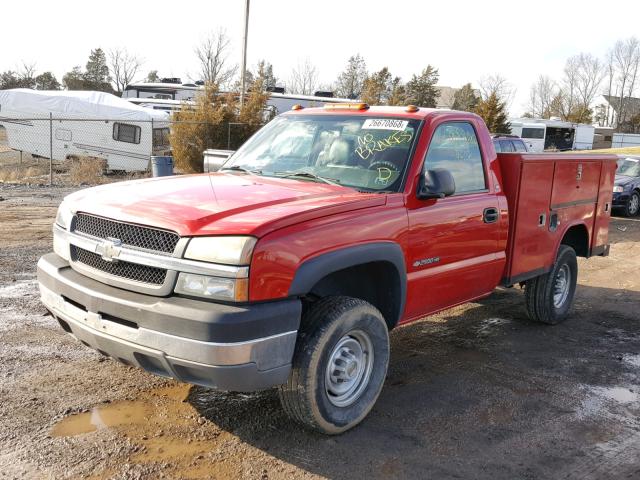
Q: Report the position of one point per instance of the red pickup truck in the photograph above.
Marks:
(326, 230)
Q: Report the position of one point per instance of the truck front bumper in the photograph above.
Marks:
(236, 348)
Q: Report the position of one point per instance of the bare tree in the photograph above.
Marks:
(498, 85)
(626, 60)
(124, 67)
(569, 88)
(304, 78)
(27, 74)
(591, 73)
(570, 100)
(541, 97)
(213, 55)
(611, 70)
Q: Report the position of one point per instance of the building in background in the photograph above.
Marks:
(607, 113)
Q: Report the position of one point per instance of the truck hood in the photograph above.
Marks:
(219, 203)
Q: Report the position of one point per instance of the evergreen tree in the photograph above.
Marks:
(47, 81)
(397, 93)
(376, 88)
(264, 80)
(10, 79)
(96, 75)
(465, 99)
(350, 81)
(74, 80)
(492, 111)
(421, 89)
(152, 77)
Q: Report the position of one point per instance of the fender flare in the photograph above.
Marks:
(311, 271)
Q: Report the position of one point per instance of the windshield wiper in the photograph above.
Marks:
(309, 175)
(236, 168)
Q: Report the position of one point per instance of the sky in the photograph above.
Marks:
(465, 40)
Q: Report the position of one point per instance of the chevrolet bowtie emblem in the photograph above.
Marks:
(109, 249)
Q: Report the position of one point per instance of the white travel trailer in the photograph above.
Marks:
(532, 133)
(64, 124)
(544, 134)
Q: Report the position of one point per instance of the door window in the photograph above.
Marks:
(454, 147)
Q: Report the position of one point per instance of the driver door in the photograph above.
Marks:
(454, 240)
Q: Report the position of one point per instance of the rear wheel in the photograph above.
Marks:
(549, 297)
(633, 205)
(339, 365)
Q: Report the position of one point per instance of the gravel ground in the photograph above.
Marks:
(475, 392)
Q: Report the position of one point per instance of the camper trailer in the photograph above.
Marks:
(64, 124)
(553, 134)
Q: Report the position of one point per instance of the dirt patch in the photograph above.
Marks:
(475, 392)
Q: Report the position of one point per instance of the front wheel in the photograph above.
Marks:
(339, 365)
(549, 297)
(633, 205)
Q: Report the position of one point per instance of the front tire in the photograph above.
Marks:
(339, 365)
(549, 297)
(632, 207)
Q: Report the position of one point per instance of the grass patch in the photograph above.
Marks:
(31, 174)
(625, 150)
(87, 170)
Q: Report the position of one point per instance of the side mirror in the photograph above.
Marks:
(436, 183)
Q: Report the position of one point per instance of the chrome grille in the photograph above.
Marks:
(130, 271)
(132, 235)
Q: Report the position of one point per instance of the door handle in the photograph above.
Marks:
(490, 215)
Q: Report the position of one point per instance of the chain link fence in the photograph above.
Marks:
(83, 151)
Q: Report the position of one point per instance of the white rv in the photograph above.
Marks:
(63, 124)
(169, 97)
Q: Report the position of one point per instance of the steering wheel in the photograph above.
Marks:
(384, 164)
(386, 171)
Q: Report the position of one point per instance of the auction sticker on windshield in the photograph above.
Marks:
(384, 124)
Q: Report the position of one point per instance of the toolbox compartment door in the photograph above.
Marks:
(575, 183)
(600, 237)
(531, 248)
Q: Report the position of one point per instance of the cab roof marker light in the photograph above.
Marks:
(346, 106)
(297, 106)
(412, 108)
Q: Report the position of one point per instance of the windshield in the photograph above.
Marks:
(366, 153)
(629, 167)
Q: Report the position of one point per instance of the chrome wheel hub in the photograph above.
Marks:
(561, 285)
(349, 368)
(634, 203)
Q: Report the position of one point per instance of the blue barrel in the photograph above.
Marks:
(161, 166)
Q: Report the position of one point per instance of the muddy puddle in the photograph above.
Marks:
(163, 428)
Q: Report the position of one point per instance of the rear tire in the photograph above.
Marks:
(339, 365)
(549, 297)
(632, 207)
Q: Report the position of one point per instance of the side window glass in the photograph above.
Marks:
(506, 146)
(496, 144)
(520, 147)
(454, 147)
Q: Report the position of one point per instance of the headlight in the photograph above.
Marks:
(61, 244)
(226, 250)
(64, 216)
(232, 290)
(618, 188)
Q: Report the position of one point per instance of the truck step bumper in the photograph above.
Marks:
(247, 365)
